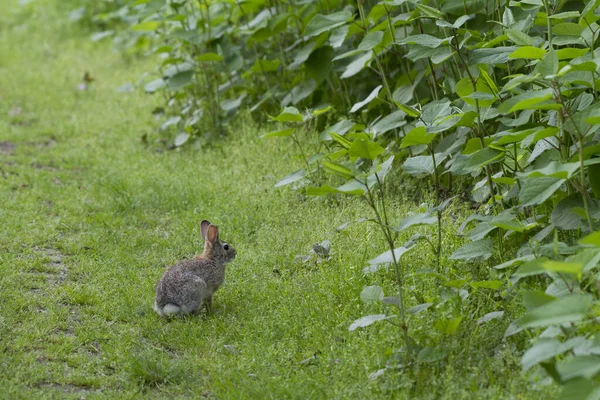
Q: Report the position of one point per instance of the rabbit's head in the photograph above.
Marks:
(213, 248)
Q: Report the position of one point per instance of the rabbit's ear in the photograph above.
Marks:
(213, 234)
(204, 228)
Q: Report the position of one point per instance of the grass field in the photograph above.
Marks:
(91, 216)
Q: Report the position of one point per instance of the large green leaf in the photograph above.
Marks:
(357, 65)
(367, 100)
(496, 55)
(289, 114)
(365, 149)
(423, 40)
(417, 136)
(146, 26)
(571, 308)
(529, 99)
(368, 320)
(388, 257)
(479, 250)
(529, 52)
(291, 178)
(280, 133)
(543, 350)
(587, 366)
(415, 220)
(538, 190)
(319, 64)
(418, 165)
(371, 294)
(322, 23)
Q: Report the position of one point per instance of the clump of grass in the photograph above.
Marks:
(152, 368)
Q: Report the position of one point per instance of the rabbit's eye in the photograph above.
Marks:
(226, 247)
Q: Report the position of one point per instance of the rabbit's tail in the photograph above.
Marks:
(168, 309)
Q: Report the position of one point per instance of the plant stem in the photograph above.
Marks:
(398, 269)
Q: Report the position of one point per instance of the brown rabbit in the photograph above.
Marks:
(187, 285)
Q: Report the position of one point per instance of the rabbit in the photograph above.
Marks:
(186, 286)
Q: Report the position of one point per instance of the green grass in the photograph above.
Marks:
(91, 217)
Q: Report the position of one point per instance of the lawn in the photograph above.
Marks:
(93, 208)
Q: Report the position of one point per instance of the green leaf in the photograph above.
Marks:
(180, 80)
(496, 55)
(483, 157)
(528, 52)
(525, 100)
(322, 23)
(593, 239)
(585, 366)
(563, 267)
(567, 29)
(490, 316)
(341, 140)
(387, 123)
(415, 220)
(418, 308)
(580, 388)
(209, 57)
(538, 190)
(181, 139)
(381, 170)
(565, 15)
(387, 257)
(519, 38)
(418, 165)
(417, 136)
(534, 299)
(554, 169)
(366, 101)
(464, 88)
(337, 169)
(480, 250)
(570, 53)
(371, 294)
(423, 40)
(262, 66)
(589, 258)
(352, 188)
(494, 285)
(155, 85)
(319, 64)
(321, 191)
(365, 149)
(448, 326)
(289, 114)
(429, 11)
(531, 268)
(567, 309)
(357, 65)
(370, 40)
(411, 111)
(293, 177)
(563, 216)
(281, 133)
(146, 26)
(549, 64)
(543, 350)
(368, 320)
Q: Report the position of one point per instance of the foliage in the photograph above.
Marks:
(500, 96)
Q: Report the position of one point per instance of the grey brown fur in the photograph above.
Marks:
(186, 286)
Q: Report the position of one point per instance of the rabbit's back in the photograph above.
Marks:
(183, 286)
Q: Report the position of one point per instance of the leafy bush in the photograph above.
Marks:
(502, 96)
